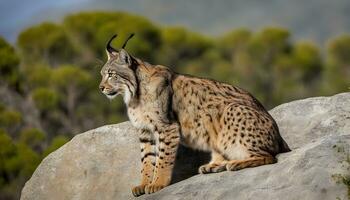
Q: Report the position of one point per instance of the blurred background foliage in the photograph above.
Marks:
(49, 79)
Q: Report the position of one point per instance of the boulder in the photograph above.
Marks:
(104, 163)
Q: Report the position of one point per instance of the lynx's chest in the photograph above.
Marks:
(140, 118)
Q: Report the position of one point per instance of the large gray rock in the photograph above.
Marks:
(104, 163)
(98, 164)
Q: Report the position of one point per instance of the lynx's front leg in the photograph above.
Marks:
(168, 141)
(148, 155)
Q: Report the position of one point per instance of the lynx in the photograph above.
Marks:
(168, 108)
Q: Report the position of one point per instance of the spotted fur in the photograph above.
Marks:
(168, 108)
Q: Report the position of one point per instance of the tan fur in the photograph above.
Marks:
(204, 114)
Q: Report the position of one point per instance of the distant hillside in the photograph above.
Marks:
(315, 20)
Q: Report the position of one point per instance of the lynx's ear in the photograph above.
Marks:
(124, 57)
(111, 52)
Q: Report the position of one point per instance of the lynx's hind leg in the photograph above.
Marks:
(247, 138)
(217, 164)
(255, 161)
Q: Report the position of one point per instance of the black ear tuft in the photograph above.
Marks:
(126, 41)
(109, 48)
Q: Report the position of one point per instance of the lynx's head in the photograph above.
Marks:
(118, 75)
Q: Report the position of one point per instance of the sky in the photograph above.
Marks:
(315, 20)
(16, 15)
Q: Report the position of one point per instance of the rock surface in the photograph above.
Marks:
(104, 163)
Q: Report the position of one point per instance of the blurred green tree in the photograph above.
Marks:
(264, 49)
(45, 99)
(297, 73)
(37, 75)
(9, 70)
(17, 163)
(234, 47)
(33, 138)
(10, 120)
(7, 150)
(72, 83)
(180, 46)
(234, 42)
(337, 67)
(46, 43)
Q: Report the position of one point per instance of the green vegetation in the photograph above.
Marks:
(9, 70)
(49, 80)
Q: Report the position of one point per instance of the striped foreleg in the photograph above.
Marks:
(168, 141)
(148, 155)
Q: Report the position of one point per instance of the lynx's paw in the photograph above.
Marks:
(211, 168)
(152, 188)
(138, 190)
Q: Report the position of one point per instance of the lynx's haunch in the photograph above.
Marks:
(168, 108)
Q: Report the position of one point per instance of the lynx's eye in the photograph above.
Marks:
(111, 74)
